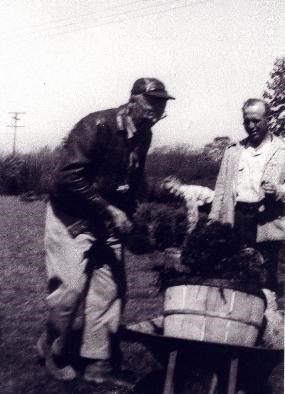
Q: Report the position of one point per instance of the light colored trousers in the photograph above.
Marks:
(84, 286)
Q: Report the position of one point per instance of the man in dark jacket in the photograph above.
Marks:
(91, 203)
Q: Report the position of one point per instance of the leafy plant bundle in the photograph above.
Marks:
(214, 251)
(157, 226)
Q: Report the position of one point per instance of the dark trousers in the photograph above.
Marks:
(246, 220)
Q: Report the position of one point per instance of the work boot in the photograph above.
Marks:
(101, 371)
(56, 365)
(42, 346)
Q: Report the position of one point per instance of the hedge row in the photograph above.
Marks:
(32, 172)
(27, 173)
(157, 225)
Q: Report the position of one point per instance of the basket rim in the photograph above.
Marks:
(248, 288)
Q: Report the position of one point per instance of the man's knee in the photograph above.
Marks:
(63, 304)
(64, 298)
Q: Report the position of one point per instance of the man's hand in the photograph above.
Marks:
(269, 188)
(119, 220)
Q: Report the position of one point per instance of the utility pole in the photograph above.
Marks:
(15, 127)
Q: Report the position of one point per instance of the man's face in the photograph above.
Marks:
(255, 123)
(147, 110)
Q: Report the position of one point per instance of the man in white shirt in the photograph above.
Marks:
(194, 197)
(250, 189)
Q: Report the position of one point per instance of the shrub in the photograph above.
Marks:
(216, 250)
(27, 173)
(158, 226)
(11, 178)
(191, 166)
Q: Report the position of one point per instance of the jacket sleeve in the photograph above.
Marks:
(278, 163)
(280, 195)
(219, 189)
(82, 152)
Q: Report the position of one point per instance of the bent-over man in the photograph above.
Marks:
(194, 196)
(91, 202)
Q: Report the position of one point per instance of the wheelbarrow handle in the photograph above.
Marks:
(168, 383)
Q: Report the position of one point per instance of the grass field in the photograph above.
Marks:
(23, 310)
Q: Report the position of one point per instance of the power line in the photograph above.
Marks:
(132, 18)
(132, 9)
(59, 21)
(152, 12)
(15, 126)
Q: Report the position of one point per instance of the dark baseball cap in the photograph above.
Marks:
(151, 87)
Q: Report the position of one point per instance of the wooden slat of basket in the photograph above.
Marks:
(211, 314)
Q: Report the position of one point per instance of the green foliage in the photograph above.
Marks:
(215, 150)
(31, 173)
(275, 96)
(158, 226)
(191, 166)
(28, 174)
(11, 179)
(215, 251)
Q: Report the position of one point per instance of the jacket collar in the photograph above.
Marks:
(276, 143)
(125, 122)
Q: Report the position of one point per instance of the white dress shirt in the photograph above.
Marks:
(250, 170)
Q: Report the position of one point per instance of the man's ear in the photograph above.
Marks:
(133, 99)
(132, 102)
(130, 107)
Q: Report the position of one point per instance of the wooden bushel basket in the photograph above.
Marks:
(213, 314)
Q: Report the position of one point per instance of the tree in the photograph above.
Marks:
(215, 149)
(274, 94)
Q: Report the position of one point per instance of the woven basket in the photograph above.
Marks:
(213, 314)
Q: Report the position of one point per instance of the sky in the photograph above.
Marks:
(62, 59)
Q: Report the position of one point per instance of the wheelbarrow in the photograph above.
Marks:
(222, 357)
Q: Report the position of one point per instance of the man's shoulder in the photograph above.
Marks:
(101, 117)
(232, 145)
(99, 125)
(278, 142)
(236, 144)
(101, 122)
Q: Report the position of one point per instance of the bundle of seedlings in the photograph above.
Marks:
(213, 252)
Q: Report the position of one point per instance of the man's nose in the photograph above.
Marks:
(160, 110)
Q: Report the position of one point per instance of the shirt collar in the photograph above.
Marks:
(261, 149)
(125, 122)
